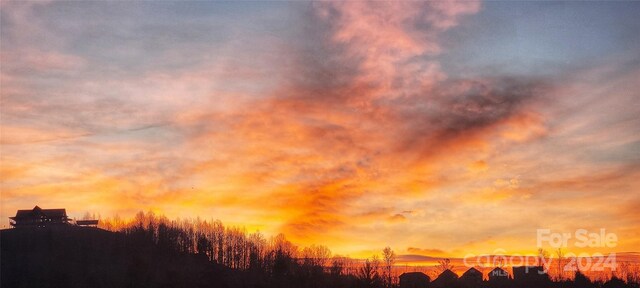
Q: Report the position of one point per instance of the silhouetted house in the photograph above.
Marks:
(414, 280)
(498, 278)
(472, 278)
(446, 279)
(38, 217)
(529, 272)
(530, 276)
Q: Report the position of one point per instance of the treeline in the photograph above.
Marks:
(254, 260)
(229, 246)
(257, 261)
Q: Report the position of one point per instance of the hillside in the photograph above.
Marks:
(90, 257)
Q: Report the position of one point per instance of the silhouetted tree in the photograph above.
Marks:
(444, 264)
(543, 257)
(560, 271)
(581, 281)
(389, 258)
(368, 274)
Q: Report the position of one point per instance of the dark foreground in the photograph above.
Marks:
(71, 256)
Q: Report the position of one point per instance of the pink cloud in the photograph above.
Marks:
(389, 38)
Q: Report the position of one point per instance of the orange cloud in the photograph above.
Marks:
(426, 252)
(326, 144)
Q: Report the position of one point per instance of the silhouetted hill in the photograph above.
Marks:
(70, 256)
(157, 255)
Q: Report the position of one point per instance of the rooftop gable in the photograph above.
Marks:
(37, 211)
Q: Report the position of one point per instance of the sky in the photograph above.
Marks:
(436, 128)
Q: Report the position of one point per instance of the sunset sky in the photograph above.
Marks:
(437, 128)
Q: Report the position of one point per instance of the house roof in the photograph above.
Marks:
(37, 211)
(528, 269)
(527, 272)
(447, 275)
(472, 272)
(414, 275)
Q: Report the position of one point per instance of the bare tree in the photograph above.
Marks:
(316, 255)
(444, 264)
(338, 264)
(389, 258)
(560, 255)
(368, 272)
(257, 247)
(633, 276)
(543, 257)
